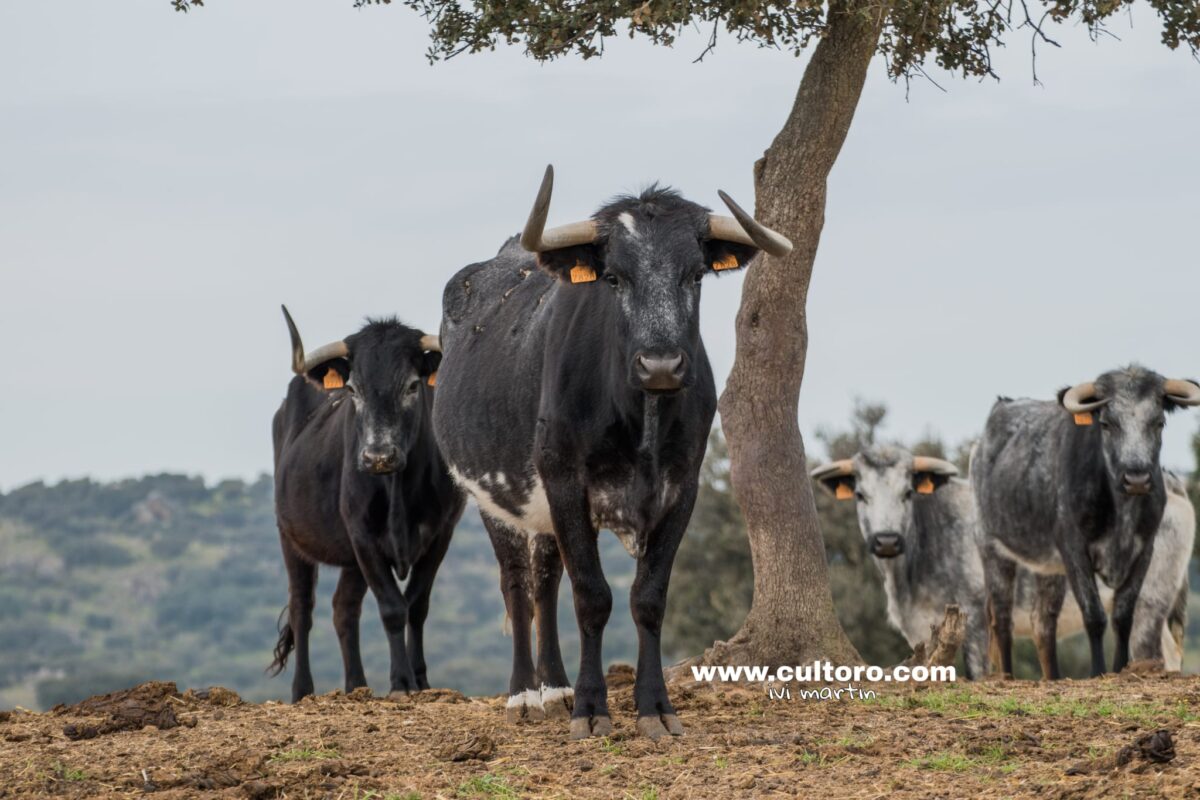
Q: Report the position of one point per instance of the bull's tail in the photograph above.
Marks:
(283, 647)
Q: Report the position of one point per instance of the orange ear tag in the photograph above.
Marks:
(925, 486)
(333, 379)
(843, 492)
(729, 261)
(432, 379)
(1083, 418)
(582, 273)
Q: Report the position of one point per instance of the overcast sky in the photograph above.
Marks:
(167, 180)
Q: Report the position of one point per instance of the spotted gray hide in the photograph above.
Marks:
(1075, 487)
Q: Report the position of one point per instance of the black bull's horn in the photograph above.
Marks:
(741, 227)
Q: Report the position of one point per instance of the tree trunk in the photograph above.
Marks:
(792, 618)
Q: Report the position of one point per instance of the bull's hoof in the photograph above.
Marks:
(657, 727)
(583, 727)
(558, 701)
(525, 707)
(399, 694)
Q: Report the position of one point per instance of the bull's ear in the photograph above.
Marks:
(578, 264)
(428, 363)
(331, 374)
(840, 486)
(929, 482)
(722, 255)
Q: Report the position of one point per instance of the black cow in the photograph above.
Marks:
(575, 394)
(1076, 486)
(359, 484)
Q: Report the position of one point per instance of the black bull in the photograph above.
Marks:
(360, 484)
(575, 394)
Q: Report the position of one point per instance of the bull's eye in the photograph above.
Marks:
(613, 280)
(908, 494)
(413, 386)
(698, 277)
(859, 496)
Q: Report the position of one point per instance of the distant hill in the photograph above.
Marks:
(103, 585)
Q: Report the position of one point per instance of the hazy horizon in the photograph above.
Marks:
(170, 179)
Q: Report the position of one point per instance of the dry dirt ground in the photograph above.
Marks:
(1086, 739)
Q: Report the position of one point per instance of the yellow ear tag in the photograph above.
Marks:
(1083, 418)
(729, 261)
(333, 379)
(432, 379)
(843, 491)
(926, 485)
(582, 273)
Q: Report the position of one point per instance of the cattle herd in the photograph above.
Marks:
(573, 393)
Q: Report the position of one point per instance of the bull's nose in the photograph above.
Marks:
(887, 545)
(1137, 482)
(659, 372)
(380, 460)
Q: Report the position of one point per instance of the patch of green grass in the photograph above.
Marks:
(487, 786)
(610, 746)
(648, 792)
(990, 757)
(69, 774)
(967, 704)
(944, 762)
(1185, 714)
(721, 762)
(304, 754)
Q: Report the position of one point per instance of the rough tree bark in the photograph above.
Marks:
(792, 618)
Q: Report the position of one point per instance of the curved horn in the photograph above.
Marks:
(302, 363)
(835, 469)
(536, 239)
(938, 466)
(745, 229)
(1078, 399)
(431, 343)
(1185, 393)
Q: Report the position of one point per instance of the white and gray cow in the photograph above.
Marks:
(920, 525)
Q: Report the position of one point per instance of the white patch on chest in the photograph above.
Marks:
(532, 517)
(608, 509)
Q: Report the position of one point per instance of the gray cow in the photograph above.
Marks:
(926, 550)
(1076, 487)
(919, 523)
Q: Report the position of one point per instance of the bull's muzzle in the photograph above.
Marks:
(1136, 482)
(886, 545)
(379, 460)
(660, 372)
